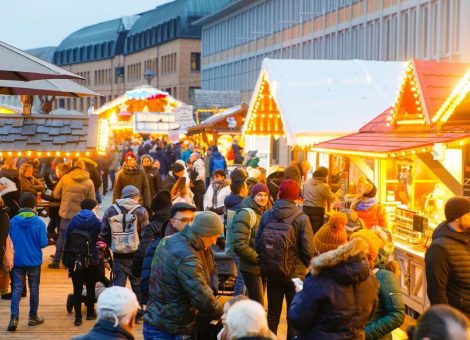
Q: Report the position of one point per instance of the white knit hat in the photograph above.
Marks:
(119, 301)
(247, 318)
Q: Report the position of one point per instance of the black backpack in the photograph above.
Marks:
(77, 252)
(277, 249)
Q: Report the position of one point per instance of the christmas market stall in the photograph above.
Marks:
(417, 155)
(299, 103)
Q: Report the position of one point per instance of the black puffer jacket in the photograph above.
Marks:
(340, 294)
(448, 268)
(105, 330)
(281, 211)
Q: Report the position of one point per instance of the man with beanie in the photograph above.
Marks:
(340, 292)
(123, 261)
(176, 171)
(132, 174)
(28, 234)
(317, 195)
(245, 227)
(448, 258)
(117, 309)
(72, 189)
(153, 175)
(286, 211)
(180, 286)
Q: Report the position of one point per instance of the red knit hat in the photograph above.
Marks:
(289, 190)
(257, 188)
(128, 155)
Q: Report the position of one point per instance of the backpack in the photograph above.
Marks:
(77, 253)
(124, 231)
(218, 163)
(277, 249)
(229, 227)
(8, 255)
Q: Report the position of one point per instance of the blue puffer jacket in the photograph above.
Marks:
(28, 234)
(85, 220)
(217, 162)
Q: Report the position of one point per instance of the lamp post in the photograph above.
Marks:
(149, 74)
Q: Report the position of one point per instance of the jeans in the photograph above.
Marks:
(112, 176)
(151, 333)
(59, 246)
(240, 288)
(122, 271)
(86, 276)
(19, 278)
(255, 286)
(316, 216)
(276, 294)
(98, 196)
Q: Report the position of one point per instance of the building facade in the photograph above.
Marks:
(160, 47)
(238, 37)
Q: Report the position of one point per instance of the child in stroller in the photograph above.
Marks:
(105, 265)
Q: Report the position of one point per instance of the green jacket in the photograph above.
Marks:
(391, 309)
(244, 236)
(180, 291)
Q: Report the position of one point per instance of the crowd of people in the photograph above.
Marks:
(174, 208)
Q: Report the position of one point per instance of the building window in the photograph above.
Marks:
(195, 62)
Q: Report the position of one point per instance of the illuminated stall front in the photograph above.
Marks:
(299, 103)
(417, 154)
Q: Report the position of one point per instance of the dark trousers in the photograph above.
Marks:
(122, 272)
(316, 216)
(88, 277)
(198, 189)
(255, 286)
(276, 294)
(104, 177)
(112, 176)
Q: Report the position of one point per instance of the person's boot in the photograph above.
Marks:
(13, 324)
(90, 314)
(6, 296)
(78, 320)
(35, 320)
(53, 265)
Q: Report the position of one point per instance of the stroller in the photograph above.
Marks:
(226, 268)
(105, 265)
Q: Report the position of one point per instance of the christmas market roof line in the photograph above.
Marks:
(218, 117)
(332, 97)
(48, 133)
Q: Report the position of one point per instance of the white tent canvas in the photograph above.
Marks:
(323, 99)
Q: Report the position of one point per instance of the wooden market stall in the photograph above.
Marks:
(299, 103)
(417, 154)
(221, 128)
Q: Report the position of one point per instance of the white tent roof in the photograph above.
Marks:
(322, 99)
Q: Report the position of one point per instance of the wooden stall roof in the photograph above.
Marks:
(218, 123)
(44, 133)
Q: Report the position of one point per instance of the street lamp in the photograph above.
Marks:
(149, 74)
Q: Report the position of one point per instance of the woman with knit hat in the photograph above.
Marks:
(368, 208)
(245, 227)
(391, 309)
(339, 293)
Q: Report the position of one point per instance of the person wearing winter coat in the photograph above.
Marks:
(317, 194)
(177, 171)
(339, 293)
(187, 153)
(207, 158)
(244, 235)
(72, 189)
(197, 175)
(123, 261)
(153, 176)
(117, 309)
(132, 174)
(115, 165)
(28, 182)
(92, 167)
(162, 157)
(28, 234)
(4, 230)
(448, 258)
(181, 192)
(216, 161)
(10, 172)
(390, 312)
(285, 210)
(85, 221)
(180, 286)
(216, 193)
(180, 215)
(369, 209)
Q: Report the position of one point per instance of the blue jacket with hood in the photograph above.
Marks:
(28, 234)
(86, 220)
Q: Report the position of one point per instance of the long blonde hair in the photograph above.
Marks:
(179, 188)
(25, 167)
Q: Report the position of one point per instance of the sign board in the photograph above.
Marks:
(439, 152)
(154, 122)
(184, 116)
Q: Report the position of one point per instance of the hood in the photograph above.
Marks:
(347, 264)
(365, 204)
(250, 203)
(162, 214)
(78, 174)
(444, 230)
(283, 209)
(88, 161)
(217, 154)
(146, 156)
(23, 219)
(128, 170)
(232, 200)
(126, 203)
(86, 219)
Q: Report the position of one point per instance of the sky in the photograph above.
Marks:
(30, 24)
